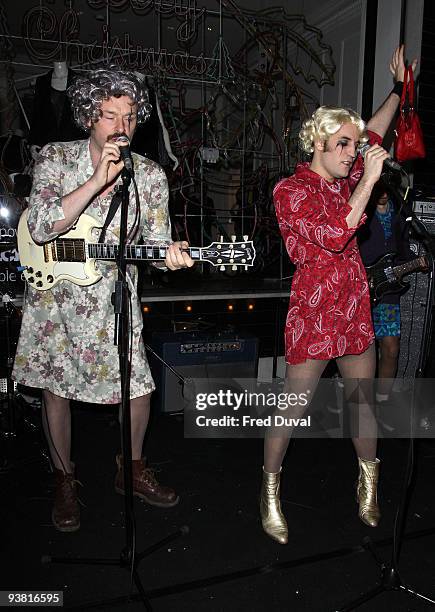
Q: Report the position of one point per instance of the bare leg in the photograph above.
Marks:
(297, 378)
(140, 412)
(56, 421)
(360, 398)
(389, 354)
(358, 372)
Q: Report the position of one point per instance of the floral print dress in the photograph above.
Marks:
(329, 312)
(67, 332)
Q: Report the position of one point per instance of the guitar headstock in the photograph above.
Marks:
(235, 254)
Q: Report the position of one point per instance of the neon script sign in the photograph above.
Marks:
(48, 36)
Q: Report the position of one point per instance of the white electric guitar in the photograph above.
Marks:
(74, 256)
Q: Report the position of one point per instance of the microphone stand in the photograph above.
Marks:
(128, 558)
(390, 578)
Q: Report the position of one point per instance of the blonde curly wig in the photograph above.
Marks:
(325, 122)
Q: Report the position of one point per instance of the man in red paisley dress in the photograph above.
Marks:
(319, 209)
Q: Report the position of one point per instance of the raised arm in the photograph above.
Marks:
(383, 117)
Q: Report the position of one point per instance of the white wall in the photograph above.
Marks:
(413, 28)
(387, 39)
(341, 23)
(343, 26)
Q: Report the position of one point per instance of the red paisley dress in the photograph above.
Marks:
(329, 312)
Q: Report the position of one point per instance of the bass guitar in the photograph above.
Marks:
(384, 277)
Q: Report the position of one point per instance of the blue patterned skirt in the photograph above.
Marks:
(386, 320)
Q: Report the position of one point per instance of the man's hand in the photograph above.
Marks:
(397, 64)
(176, 259)
(108, 167)
(383, 117)
(373, 162)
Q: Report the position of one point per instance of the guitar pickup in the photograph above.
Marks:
(389, 273)
(50, 252)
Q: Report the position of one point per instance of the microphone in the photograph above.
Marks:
(389, 164)
(125, 152)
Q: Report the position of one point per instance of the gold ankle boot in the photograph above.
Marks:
(366, 492)
(272, 519)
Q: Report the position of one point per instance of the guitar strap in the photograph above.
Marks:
(114, 205)
(401, 237)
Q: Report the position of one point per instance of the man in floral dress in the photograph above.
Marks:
(66, 342)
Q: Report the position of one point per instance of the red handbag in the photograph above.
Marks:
(409, 143)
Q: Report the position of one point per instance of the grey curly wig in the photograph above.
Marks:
(89, 91)
(325, 122)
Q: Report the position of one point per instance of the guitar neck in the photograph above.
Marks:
(139, 252)
(217, 253)
(410, 266)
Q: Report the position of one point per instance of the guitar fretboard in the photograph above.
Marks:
(410, 266)
(77, 250)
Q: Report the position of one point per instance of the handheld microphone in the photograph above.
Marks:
(125, 152)
(389, 164)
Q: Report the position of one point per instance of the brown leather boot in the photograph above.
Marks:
(66, 510)
(145, 485)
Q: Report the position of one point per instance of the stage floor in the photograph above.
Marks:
(218, 481)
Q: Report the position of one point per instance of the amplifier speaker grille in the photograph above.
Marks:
(412, 314)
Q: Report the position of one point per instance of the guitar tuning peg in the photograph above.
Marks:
(246, 268)
(221, 238)
(233, 238)
(222, 268)
(234, 268)
(245, 238)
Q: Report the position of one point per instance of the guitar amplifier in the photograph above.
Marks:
(425, 212)
(198, 355)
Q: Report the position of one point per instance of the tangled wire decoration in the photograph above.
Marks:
(251, 93)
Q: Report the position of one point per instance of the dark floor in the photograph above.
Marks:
(218, 481)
